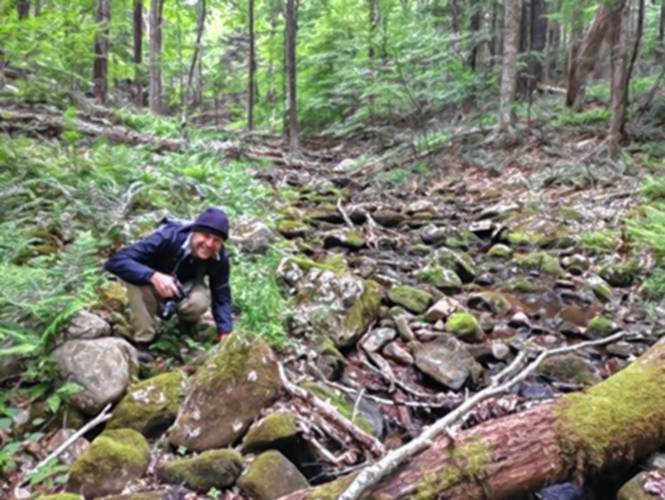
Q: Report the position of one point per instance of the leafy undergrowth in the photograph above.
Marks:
(66, 205)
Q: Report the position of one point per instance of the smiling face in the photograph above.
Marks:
(206, 245)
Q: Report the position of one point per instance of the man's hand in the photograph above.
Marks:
(164, 284)
(223, 336)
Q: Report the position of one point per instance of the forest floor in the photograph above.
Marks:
(537, 233)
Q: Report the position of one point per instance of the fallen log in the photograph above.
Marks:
(611, 425)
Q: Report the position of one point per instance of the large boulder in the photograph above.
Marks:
(114, 459)
(411, 298)
(150, 406)
(267, 433)
(103, 368)
(647, 485)
(210, 469)
(447, 361)
(270, 476)
(330, 300)
(226, 394)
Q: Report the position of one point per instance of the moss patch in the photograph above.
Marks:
(540, 261)
(114, 459)
(341, 402)
(500, 251)
(600, 327)
(210, 469)
(275, 427)
(411, 298)
(365, 309)
(150, 405)
(463, 463)
(629, 407)
(463, 325)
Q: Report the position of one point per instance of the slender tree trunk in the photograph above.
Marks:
(138, 52)
(610, 426)
(291, 70)
(619, 36)
(252, 68)
(524, 48)
(23, 8)
(552, 47)
(583, 63)
(374, 10)
(155, 84)
(509, 66)
(661, 31)
(100, 66)
(454, 16)
(197, 56)
(538, 41)
(639, 29)
(474, 25)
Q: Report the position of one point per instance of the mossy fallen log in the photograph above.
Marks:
(611, 425)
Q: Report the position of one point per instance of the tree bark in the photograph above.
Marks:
(636, 49)
(291, 70)
(137, 23)
(23, 8)
(610, 426)
(509, 66)
(197, 56)
(251, 92)
(374, 11)
(101, 63)
(155, 84)
(619, 36)
(474, 25)
(582, 64)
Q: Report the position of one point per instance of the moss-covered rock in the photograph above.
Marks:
(347, 238)
(226, 394)
(601, 288)
(569, 368)
(440, 277)
(459, 261)
(540, 261)
(619, 274)
(275, 427)
(290, 228)
(271, 476)
(600, 327)
(465, 326)
(490, 301)
(210, 469)
(115, 458)
(500, 251)
(411, 298)
(150, 406)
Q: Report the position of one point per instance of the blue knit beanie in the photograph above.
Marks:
(213, 220)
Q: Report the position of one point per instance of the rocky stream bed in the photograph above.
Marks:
(408, 296)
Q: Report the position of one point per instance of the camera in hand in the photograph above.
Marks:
(169, 307)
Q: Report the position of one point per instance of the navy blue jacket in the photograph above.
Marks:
(165, 251)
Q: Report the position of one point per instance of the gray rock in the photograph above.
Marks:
(397, 353)
(432, 234)
(500, 350)
(446, 361)
(403, 328)
(87, 325)
(103, 368)
(210, 469)
(443, 308)
(647, 485)
(375, 339)
(254, 237)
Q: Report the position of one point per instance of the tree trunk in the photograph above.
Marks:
(101, 63)
(474, 25)
(374, 22)
(138, 52)
(23, 8)
(155, 84)
(509, 66)
(252, 68)
(636, 49)
(454, 16)
(538, 40)
(552, 47)
(197, 56)
(619, 36)
(610, 426)
(582, 64)
(291, 70)
(661, 31)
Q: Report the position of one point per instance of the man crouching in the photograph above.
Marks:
(167, 270)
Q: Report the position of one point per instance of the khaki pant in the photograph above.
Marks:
(144, 303)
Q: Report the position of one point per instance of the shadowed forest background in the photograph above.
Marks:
(425, 196)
